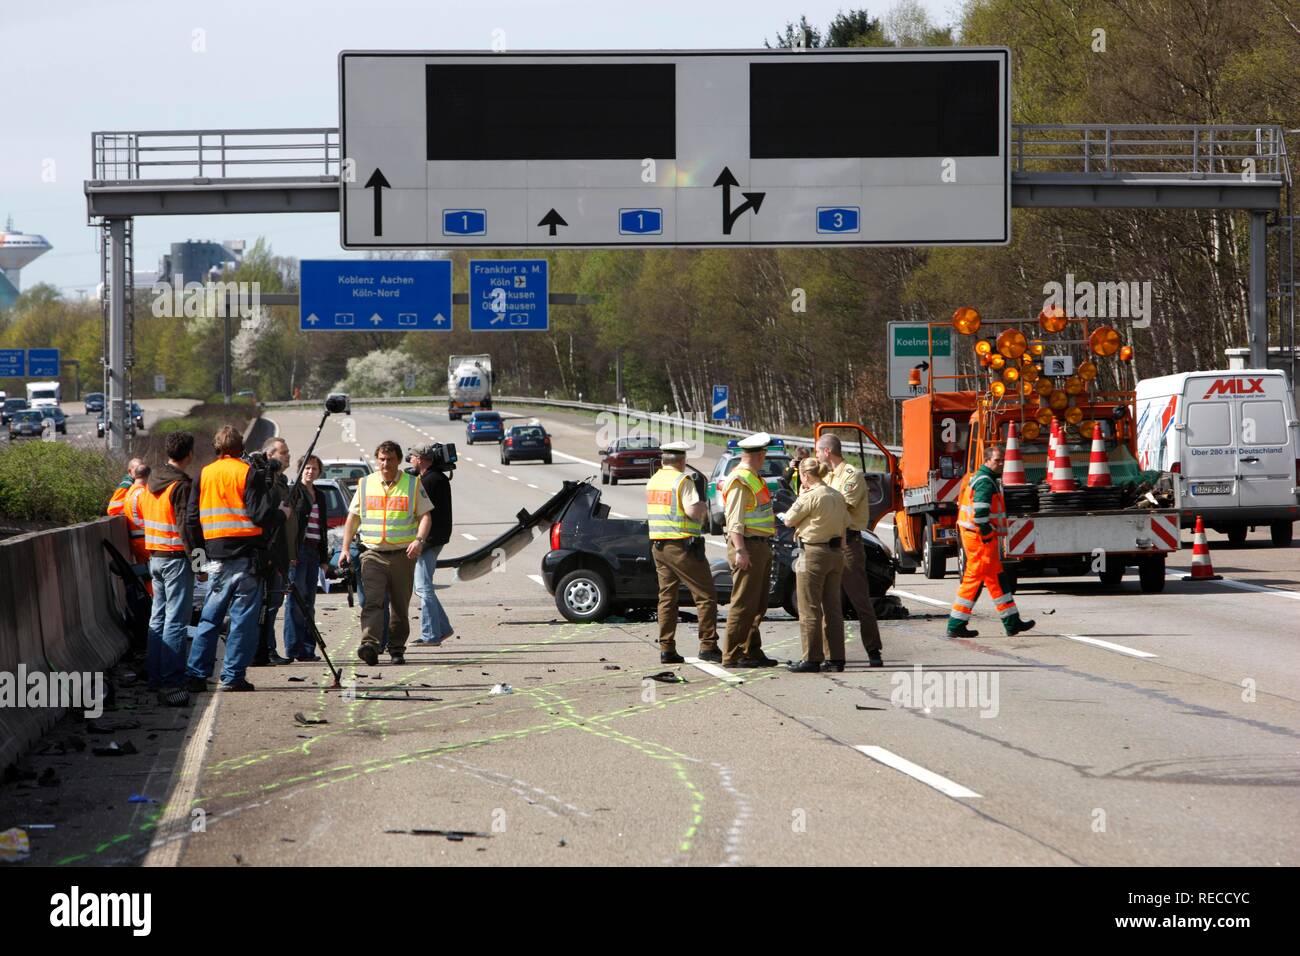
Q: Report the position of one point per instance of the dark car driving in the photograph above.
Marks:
(483, 426)
(598, 565)
(526, 443)
(11, 406)
(94, 402)
(28, 423)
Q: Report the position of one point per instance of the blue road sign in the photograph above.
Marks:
(464, 222)
(375, 295)
(13, 363)
(42, 363)
(640, 222)
(720, 395)
(508, 295)
(837, 219)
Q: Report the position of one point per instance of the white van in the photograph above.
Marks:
(1232, 441)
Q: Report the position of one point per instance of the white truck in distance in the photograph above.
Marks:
(469, 384)
(1232, 442)
(44, 394)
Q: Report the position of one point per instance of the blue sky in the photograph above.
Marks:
(72, 66)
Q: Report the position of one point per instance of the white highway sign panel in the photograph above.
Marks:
(675, 148)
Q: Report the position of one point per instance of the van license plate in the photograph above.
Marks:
(1212, 488)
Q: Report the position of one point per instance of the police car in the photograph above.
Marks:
(774, 466)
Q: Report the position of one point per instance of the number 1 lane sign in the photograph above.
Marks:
(675, 148)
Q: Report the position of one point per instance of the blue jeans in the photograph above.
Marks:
(173, 601)
(354, 557)
(434, 625)
(234, 589)
(298, 641)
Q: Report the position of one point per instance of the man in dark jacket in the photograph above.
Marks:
(312, 553)
(434, 625)
(171, 537)
(281, 549)
(233, 506)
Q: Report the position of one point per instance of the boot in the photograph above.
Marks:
(962, 631)
(1015, 625)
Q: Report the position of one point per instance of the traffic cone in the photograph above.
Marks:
(1051, 453)
(1098, 464)
(1062, 475)
(1202, 567)
(1013, 467)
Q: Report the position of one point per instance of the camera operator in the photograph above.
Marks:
(280, 550)
(434, 471)
(234, 509)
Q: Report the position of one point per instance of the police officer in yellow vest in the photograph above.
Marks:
(676, 512)
(391, 510)
(750, 525)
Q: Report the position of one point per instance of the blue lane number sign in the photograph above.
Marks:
(640, 222)
(464, 222)
(837, 219)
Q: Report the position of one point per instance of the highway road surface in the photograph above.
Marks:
(1127, 729)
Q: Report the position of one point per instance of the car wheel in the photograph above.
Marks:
(504, 460)
(613, 478)
(1111, 575)
(546, 460)
(604, 477)
(904, 567)
(1280, 532)
(791, 602)
(583, 596)
(1237, 535)
(933, 565)
(1151, 574)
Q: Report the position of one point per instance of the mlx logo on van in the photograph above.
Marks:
(1235, 386)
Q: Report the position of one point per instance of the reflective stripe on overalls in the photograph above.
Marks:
(221, 500)
(663, 496)
(161, 532)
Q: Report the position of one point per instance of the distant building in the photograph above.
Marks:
(195, 260)
(17, 249)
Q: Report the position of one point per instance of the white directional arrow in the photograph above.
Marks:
(439, 319)
(313, 318)
(376, 319)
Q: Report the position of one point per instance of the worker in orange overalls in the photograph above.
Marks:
(123, 486)
(133, 512)
(982, 521)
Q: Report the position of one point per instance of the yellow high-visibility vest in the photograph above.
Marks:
(388, 514)
(760, 519)
(663, 504)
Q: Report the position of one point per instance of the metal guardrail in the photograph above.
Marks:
(674, 422)
(1090, 148)
(1188, 148)
(128, 156)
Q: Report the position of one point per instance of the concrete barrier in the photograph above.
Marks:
(59, 597)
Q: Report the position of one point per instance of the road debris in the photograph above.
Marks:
(453, 835)
(14, 846)
(667, 677)
(115, 750)
(306, 721)
(499, 689)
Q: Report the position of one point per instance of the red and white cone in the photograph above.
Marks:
(1051, 453)
(1098, 464)
(1202, 567)
(1062, 474)
(1013, 466)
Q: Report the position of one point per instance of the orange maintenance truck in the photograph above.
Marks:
(1098, 513)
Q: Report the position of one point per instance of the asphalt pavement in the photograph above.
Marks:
(1127, 729)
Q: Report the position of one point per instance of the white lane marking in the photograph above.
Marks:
(618, 514)
(495, 471)
(534, 487)
(716, 543)
(581, 461)
(512, 477)
(916, 771)
(1240, 585)
(174, 827)
(467, 536)
(715, 671)
(538, 579)
(920, 597)
(1098, 642)
(480, 464)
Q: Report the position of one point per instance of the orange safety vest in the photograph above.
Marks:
(966, 509)
(161, 531)
(131, 511)
(221, 500)
(116, 502)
